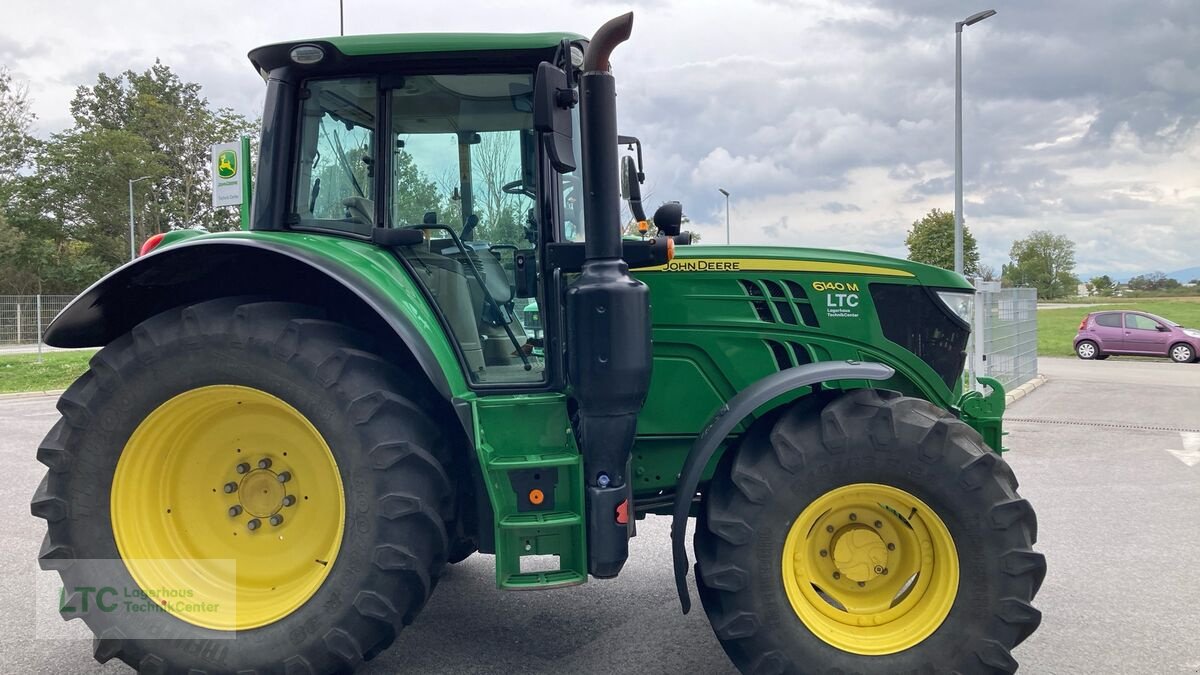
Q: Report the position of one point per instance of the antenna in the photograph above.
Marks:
(341, 17)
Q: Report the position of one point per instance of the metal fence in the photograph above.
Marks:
(1005, 334)
(23, 318)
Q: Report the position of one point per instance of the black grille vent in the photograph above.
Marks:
(786, 303)
(789, 354)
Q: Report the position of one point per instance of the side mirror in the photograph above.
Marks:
(631, 189)
(669, 218)
(552, 103)
(1163, 329)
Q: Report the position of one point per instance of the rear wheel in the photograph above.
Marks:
(265, 465)
(867, 533)
(1182, 353)
(1087, 350)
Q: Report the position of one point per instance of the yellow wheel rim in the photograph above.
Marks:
(227, 507)
(870, 569)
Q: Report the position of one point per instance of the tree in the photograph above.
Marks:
(1102, 285)
(1154, 281)
(1045, 261)
(987, 272)
(931, 241)
(17, 146)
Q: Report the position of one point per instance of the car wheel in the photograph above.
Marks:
(1182, 353)
(1087, 350)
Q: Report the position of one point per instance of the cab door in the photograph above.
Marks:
(1142, 335)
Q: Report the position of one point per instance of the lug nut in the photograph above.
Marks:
(276, 519)
(235, 511)
(243, 467)
(264, 463)
(878, 524)
(284, 477)
(824, 553)
(230, 488)
(254, 524)
(853, 516)
(288, 500)
(829, 529)
(837, 575)
(891, 547)
(862, 584)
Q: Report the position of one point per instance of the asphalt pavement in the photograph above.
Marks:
(1108, 453)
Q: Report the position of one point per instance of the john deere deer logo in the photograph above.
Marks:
(227, 164)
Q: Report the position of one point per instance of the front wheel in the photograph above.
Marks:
(867, 533)
(269, 492)
(1182, 353)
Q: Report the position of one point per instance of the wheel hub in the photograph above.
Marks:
(261, 493)
(860, 554)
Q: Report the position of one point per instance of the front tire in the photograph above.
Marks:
(187, 439)
(1182, 353)
(868, 509)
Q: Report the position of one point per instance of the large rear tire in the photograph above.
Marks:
(256, 432)
(867, 532)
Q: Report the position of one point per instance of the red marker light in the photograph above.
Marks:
(151, 243)
(623, 513)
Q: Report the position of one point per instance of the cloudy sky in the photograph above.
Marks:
(830, 122)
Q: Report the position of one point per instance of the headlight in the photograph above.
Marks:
(1191, 332)
(961, 303)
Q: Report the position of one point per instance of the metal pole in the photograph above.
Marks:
(341, 17)
(244, 210)
(132, 253)
(958, 181)
(726, 193)
(39, 327)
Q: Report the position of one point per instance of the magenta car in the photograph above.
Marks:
(1102, 334)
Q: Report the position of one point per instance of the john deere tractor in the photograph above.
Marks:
(289, 432)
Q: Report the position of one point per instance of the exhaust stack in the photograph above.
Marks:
(608, 320)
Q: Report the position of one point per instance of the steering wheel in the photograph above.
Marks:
(517, 187)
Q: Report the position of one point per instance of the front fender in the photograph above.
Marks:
(726, 419)
(311, 268)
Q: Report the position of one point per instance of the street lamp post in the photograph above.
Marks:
(958, 181)
(726, 193)
(132, 236)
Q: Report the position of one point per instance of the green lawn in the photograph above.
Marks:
(22, 372)
(1057, 327)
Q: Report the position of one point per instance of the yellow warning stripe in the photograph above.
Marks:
(770, 265)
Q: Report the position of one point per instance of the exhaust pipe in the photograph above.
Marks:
(608, 320)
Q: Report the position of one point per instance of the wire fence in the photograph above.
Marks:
(23, 319)
(1005, 336)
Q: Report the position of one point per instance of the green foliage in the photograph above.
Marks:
(1102, 285)
(931, 241)
(1155, 281)
(65, 200)
(1045, 261)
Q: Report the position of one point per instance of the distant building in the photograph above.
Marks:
(1082, 290)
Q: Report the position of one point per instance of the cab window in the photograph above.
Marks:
(334, 172)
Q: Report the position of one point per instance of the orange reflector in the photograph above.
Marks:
(623, 513)
(151, 243)
(670, 249)
(536, 497)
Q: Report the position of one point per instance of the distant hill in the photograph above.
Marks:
(1185, 275)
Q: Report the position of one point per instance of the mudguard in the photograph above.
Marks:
(295, 264)
(726, 419)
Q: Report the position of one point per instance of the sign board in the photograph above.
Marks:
(227, 167)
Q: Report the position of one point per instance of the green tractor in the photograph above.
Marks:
(289, 432)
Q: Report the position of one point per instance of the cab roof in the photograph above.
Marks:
(267, 57)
